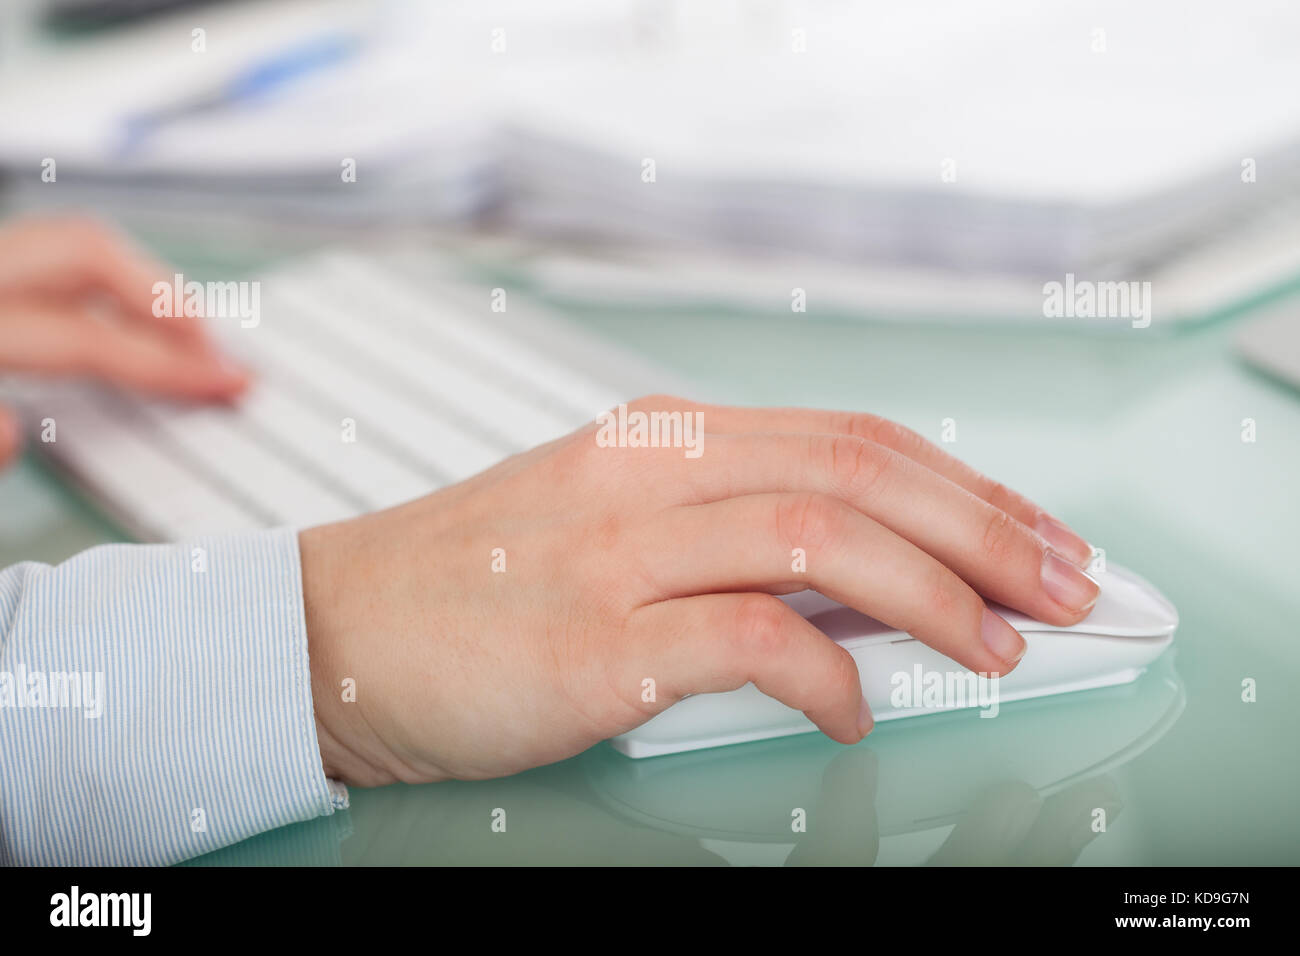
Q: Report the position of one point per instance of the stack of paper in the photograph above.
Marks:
(1002, 138)
(935, 158)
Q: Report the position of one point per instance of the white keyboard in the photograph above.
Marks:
(437, 387)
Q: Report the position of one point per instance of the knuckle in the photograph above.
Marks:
(882, 431)
(857, 424)
(845, 678)
(807, 520)
(760, 628)
(998, 544)
(856, 466)
(947, 599)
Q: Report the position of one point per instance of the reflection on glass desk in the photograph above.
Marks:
(1034, 785)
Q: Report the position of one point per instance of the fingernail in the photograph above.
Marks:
(1067, 585)
(1001, 638)
(1064, 541)
(865, 720)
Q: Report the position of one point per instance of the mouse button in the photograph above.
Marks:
(1129, 606)
(843, 624)
(1021, 622)
(809, 602)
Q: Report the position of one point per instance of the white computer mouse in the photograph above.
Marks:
(1129, 627)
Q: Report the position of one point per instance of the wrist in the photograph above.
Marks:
(323, 590)
(366, 605)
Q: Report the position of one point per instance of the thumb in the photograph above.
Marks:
(11, 436)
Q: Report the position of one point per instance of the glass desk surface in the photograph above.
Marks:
(1134, 437)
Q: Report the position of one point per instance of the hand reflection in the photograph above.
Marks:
(1008, 824)
(842, 828)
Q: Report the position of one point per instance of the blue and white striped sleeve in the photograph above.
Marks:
(155, 702)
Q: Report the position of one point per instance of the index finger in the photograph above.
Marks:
(882, 431)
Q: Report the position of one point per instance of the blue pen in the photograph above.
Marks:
(249, 84)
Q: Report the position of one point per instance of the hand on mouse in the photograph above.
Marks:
(76, 299)
(512, 620)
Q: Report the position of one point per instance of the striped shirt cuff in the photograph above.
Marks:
(158, 702)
